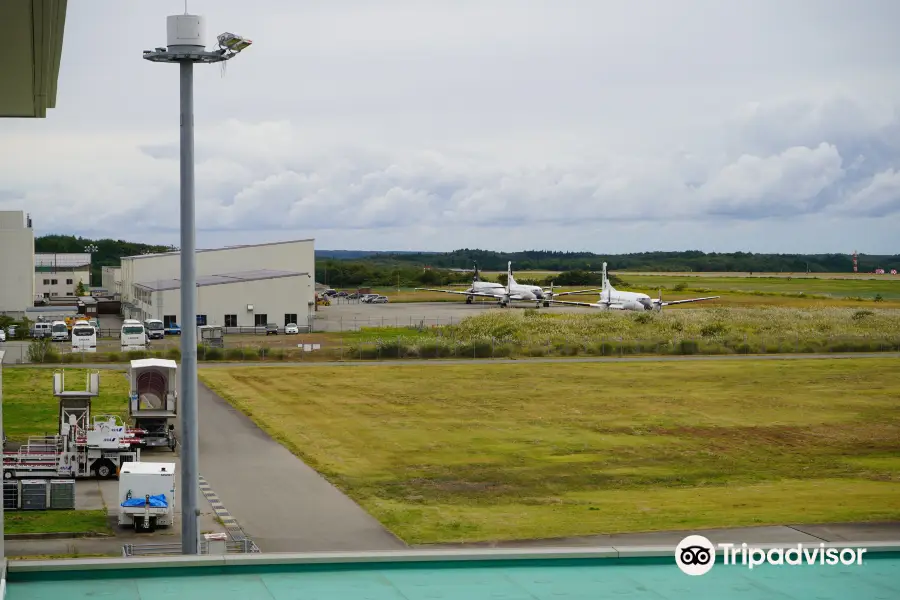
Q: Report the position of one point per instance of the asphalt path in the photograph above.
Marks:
(280, 503)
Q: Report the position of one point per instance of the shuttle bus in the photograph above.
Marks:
(59, 331)
(134, 336)
(84, 337)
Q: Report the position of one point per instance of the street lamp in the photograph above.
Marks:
(185, 35)
(91, 248)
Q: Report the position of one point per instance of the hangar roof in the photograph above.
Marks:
(162, 285)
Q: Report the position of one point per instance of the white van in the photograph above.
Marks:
(133, 336)
(41, 329)
(84, 337)
(155, 329)
(59, 331)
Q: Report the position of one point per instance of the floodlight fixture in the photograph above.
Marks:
(185, 46)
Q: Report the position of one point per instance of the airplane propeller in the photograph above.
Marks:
(659, 304)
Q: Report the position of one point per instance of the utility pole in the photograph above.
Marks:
(185, 46)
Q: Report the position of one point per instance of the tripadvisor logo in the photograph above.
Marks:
(696, 555)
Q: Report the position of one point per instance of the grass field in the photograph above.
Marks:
(56, 521)
(30, 408)
(735, 290)
(888, 286)
(493, 452)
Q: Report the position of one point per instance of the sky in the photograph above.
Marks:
(581, 125)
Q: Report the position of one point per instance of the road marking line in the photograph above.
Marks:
(231, 524)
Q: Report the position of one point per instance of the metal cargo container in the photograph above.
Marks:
(62, 494)
(11, 495)
(34, 494)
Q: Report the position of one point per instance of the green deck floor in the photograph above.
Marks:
(596, 579)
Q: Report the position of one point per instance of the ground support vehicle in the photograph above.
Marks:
(86, 445)
(153, 401)
(147, 495)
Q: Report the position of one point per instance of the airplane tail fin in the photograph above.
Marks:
(477, 276)
(509, 276)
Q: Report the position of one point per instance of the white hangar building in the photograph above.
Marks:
(237, 286)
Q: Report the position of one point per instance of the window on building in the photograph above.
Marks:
(201, 319)
(290, 318)
(231, 321)
(46, 294)
(69, 282)
(169, 320)
(260, 320)
(53, 282)
(46, 282)
(69, 294)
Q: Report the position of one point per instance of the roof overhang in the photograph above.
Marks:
(32, 35)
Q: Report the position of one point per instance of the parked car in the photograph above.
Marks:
(271, 328)
(11, 331)
(2, 336)
(368, 297)
(173, 329)
(379, 300)
(291, 328)
(342, 294)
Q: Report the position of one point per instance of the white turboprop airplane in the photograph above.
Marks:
(613, 299)
(504, 294)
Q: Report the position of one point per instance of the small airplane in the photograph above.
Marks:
(613, 299)
(504, 294)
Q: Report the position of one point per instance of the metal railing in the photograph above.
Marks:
(244, 546)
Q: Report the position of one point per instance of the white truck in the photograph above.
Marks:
(86, 445)
(147, 495)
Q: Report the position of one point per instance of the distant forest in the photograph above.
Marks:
(352, 268)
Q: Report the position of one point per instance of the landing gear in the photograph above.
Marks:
(469, 299)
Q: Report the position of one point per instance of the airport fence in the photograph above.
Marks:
(424, 345)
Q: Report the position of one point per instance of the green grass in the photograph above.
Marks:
(889, 288)
(30, 408)
(501, 333)
(514, 451)
(56, 521)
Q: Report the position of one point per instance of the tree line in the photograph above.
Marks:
(686, 261)
(109, 252)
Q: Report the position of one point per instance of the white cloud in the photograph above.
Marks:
(549, 124)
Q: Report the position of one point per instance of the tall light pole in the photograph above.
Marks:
(185, 46)
(91, 248)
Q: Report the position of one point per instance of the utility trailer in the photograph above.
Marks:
(153, 401)
(86, 445)
(147, 495)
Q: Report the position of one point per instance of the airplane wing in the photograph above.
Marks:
(685, 301)
(602, 306)
(460, 293)
(575, 292)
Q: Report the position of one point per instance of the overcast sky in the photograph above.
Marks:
(608, 126)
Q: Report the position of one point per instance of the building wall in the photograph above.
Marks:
(66, 282)
(298, 256)
(271, 297)
(17, 264)
(111, 277)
